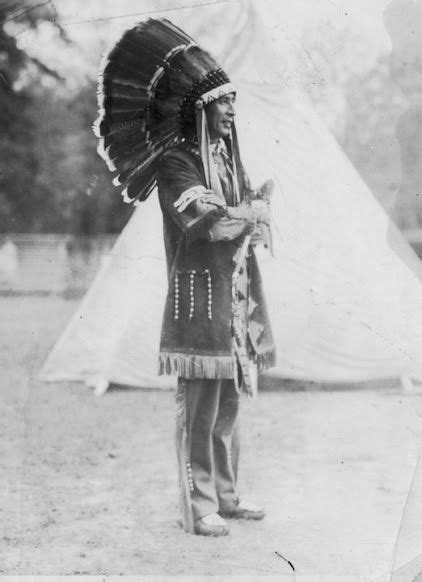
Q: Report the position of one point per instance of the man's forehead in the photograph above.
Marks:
(231, 96)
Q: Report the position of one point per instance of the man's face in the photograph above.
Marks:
(220, 115)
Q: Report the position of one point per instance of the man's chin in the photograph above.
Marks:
(225, 132)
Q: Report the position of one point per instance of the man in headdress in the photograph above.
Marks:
(215, 330)
(167, 117)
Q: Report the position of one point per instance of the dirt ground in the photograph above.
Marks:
(90, 484)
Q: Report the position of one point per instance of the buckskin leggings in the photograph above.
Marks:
(207, 445)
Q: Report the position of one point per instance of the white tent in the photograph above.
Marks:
(344, 288)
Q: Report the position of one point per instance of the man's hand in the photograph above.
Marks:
(250, 218)
(199, 196)
(262, 212)
(243, 212)
(210, 198)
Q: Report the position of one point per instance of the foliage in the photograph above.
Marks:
(52, 179)
(375, 105)
(73, 185)
(372, 112)
(17, 135)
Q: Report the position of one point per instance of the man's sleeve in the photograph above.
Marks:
(183, 194)
(185, 197)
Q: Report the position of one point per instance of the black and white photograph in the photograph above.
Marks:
(211, 290)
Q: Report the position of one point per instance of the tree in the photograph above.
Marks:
(73, 191)
(370, 112)
(17, 131)
(374, 107)
(52, 179)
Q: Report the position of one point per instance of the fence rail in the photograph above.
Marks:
(51, 263)
(63, 264)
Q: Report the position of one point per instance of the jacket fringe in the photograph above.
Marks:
(211, 367)
(197, 366)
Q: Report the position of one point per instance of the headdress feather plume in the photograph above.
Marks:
(147, 91)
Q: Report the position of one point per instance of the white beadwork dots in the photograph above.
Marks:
(209, 288)
(190, 478)
(176, 297)
(192, 293)
(192, 275)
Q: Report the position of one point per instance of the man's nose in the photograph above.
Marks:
(231, 109)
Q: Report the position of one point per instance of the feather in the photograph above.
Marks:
(148, 84)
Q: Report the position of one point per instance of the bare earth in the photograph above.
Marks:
(89, 484)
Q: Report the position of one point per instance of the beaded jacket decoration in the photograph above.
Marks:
(147, 91)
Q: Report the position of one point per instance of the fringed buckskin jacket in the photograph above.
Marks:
(197, 330)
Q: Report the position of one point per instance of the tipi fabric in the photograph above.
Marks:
(114, 335)
(344, 288)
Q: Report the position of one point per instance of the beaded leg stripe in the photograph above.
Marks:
(192, 274)
(190, 478)
(186, 485)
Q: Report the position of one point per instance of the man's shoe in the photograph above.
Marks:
(244, 510)
(211, 525)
